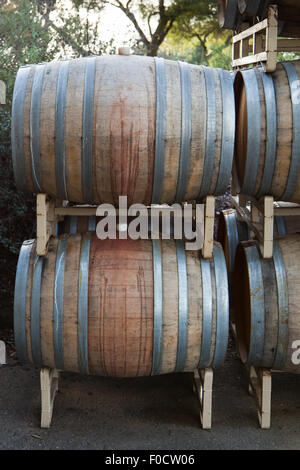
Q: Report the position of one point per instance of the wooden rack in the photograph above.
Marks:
(259, 44)
(259, 216)
(49, 213)
(203, 383)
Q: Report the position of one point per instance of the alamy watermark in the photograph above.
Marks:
(296, 353)
(177, 221)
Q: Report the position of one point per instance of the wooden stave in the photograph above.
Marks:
(55, 176)
(283, 184)
(274, 334)
(62, 329)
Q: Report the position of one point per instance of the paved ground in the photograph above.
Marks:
(148, 413)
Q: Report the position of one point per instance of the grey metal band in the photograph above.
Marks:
(92, 224)
(256, 287)
(17, 129)
(280, 225)
(207, 313)
(183, 307)
(35, 108)
(228, 131)
(20, 301)
(160, 133)
(283, 308)
(60, 154)
(158, 307)
(295, 162)
(271, 131)
(211, 131)
(73, 224)
(35, 323)
(186, 131)
(233, 239)
(222, 327)
(83, 304)
(87, 130)
(254, 131)
(58, 308)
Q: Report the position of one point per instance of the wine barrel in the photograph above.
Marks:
(288, 14)
(90, 130)
(122, 308)
(267, 138)
(232, 231)
(228, 14)
(288, 10)
(251, 7)
(266, 303)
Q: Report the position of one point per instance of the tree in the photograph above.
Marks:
(200, 28)
(158, 18)
(33, 31)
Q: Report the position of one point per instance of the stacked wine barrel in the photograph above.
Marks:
(267, 163)
(232, 13)
(88, 131)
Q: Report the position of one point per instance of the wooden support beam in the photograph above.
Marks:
(203, 383)
(49, 388)
(264, 37)
(268, 236)
(45, 222)
(208, 244)
(260, 387)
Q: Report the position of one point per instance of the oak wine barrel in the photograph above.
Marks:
(266, 304)
(267, 155)
(232, 231)
(288, 14)
(92, 129)
(228, 14)
(122, 308)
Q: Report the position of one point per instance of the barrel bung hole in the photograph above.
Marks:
(241, 142)
(242, 302)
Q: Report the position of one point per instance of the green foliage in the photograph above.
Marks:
(33, 31)
(199, 30)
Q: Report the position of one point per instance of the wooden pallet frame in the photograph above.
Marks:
(265, 43)
(202, 386)
(259, 216)
(49, 212)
